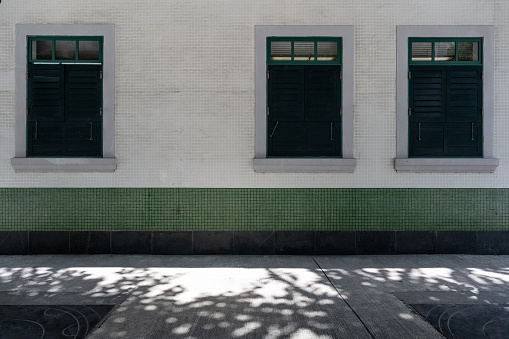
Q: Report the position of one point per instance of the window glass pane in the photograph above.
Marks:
(468, 51)
(421, 51)
(42, 49)
(65, 50)
(445, 51)
(281, 50)
(88, 50)
(304, 50)
(327, 50)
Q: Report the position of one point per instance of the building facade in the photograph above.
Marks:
(254, 127)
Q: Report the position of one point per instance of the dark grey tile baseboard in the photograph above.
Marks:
(13, 242)
(254, 242)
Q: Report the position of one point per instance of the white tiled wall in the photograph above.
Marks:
(185, 88)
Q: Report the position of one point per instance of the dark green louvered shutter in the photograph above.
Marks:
(64, 110)
(286, 108)
(323, 103)
(46, 108)
(83, 109)
(445, 111)
(304, 111)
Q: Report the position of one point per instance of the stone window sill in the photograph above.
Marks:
(450, 165)
(38, 165)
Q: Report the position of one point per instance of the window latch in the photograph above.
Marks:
(409, 111)
(91, 134)
(277, 122)
(268, 111)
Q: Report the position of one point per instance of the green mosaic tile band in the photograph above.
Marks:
(252, 209)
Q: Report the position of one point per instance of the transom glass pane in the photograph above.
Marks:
(445, 51)
(421, 51)
(281, 50)
(304, 50)
(42, 49)
(65, 50)
(88, 50)
(468, 51)
(327, 50)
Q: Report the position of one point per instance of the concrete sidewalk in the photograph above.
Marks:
(257, 296)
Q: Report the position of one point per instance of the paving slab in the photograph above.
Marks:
(257, 296)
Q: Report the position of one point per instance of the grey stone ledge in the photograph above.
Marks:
(38, 165)
(311, 165)
(450, 165)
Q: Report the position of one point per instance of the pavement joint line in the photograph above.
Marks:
(343, 298)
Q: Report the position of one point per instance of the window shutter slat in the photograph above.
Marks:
(286, 93)
(287, 138)
(83, 92)
(45, 86)
(427, 93)
(323, 93)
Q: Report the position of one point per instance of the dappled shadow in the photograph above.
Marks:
(249, 297)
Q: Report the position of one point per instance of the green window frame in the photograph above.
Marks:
(293, 40)
(54, 39)
(305, 96)
(64, 101)
(445, 100)
(456, 41)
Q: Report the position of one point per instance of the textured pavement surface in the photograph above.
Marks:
(263, 296)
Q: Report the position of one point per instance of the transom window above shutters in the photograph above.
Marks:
(308, 50)
(66, 49)
(451, 51)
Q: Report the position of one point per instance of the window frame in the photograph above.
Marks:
(107, 163)
(76, 39)
(486, 164)
(347, 162)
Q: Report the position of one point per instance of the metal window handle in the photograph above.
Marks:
(90, 131)
(35, 130)
(277, 122)
(331, 131)
(472, 132)
(419, 131)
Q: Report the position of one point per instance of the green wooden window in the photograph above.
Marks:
(64, 97)
(304, 97)
(445, 97)
(53, 49)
